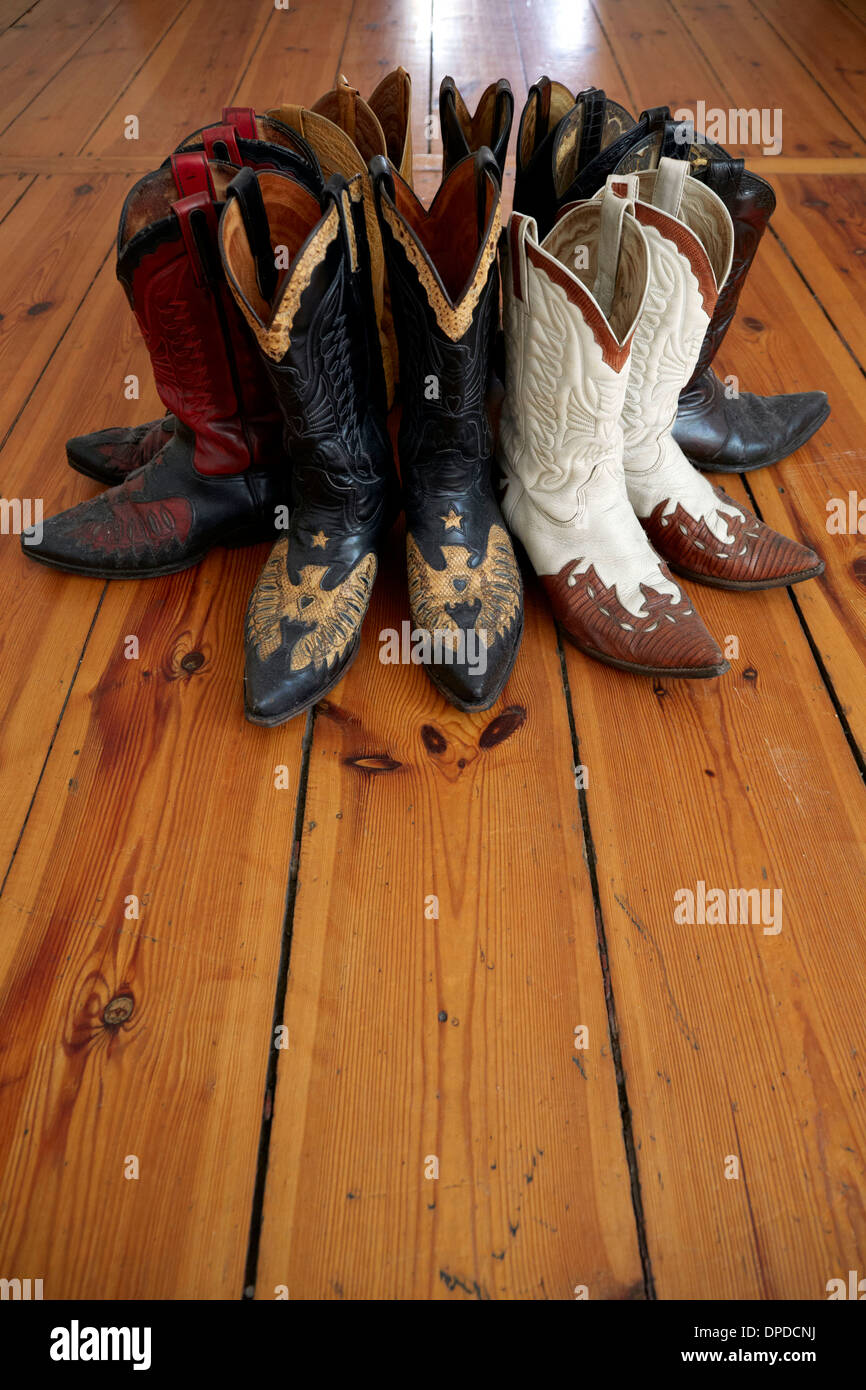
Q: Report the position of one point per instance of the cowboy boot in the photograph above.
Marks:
(718, 432)
(699, 530)
(347, 132)
(571, 304)
(317, 336)
(243, 139)
(464, 584)
(463, 134)
(220, 478)
(567, 145)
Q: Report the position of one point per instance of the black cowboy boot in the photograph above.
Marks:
(347, 132)
(463, 134)
(242, 139)
(220, 478)
(318, 339)
(464, 585)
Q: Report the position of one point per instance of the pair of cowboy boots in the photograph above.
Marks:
(159, 521)
(566, 147)
(174, 500)
(441, 298)
(604, 321)
(215, 478)
(303, 623)
(346, 132)
(240, 138)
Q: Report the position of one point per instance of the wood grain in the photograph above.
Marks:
(765, 348)
(451, 1039)
(735, 1042)
(558, 1167)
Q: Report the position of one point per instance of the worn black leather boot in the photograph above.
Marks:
(566, 152)
(464, 585)
(316, 329)
(240, 138)
(463, 134)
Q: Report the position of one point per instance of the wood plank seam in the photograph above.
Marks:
(53, 738)
(18, 18)
(132, 76)
(625, 1112)
(632, 103)
(856, 752)
(49, 359)
(37, 95)
(281, 986)
(798, 59)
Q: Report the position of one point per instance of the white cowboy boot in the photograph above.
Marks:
(702, 532)
(570, 308)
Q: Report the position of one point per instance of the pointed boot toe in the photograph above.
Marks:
(466, 597)
(110, 455)
(722, 435)
(729, 548)
(303, 631)
(164, 518)
(666, 637)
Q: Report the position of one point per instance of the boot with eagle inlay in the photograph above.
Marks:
(220, 478)
(571, 305)
(465, 591)
(316, 328)
(701, 531)
(241, 138)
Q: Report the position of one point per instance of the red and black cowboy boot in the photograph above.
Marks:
(565, 154)
(242, 139)
(221, 475)
(465, 593)
(317, 332)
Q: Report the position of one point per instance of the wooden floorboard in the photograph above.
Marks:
(413, 1040)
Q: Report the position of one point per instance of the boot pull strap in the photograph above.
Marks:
(503, 111)
(191, 173)
(620, 193)
(221, 143)
(594, 102)
(485, 163)
(670, 180)
(540, 93)
(246, 188)
(243, 118)
(655, 116)
(382, 179)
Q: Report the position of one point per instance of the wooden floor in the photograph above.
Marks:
(284, 876)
